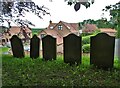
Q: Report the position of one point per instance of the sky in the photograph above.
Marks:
(60, 11)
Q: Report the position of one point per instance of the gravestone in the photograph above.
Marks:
(34, 47)
(102, 50)
(72, 49)
(49, 47)
(17, 47)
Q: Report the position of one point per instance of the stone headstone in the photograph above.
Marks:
(102, 51)
(49, 48)
(34, 47)
(72, 49)
(17, 47)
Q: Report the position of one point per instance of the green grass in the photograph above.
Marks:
(36, 72)
(3, 49)
(36, 30)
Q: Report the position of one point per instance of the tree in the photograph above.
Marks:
(14, 10)
(78, 3)
(115, 16)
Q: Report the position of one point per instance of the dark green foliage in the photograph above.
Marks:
(86, 40)
(35, 72)
(114, 11)
(100, 23)
(86, 34)
(36, 30)
(77, 4)
(86, 48)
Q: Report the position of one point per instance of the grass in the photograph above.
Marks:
(3, 49)
(36, 72)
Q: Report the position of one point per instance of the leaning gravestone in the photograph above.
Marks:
(102, 51)
(34, 47)
(72, 49)
(49, 47)
(17, 47)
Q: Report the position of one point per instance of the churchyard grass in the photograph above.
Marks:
(36, 72)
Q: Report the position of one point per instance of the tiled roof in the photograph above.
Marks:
(89, 28)
(107, 30)
(16, 30)
(52, 30)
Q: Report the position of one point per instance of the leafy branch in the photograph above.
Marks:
(14, 10)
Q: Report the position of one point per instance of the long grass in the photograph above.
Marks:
(36, 72)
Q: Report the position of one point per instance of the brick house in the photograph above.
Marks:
(25, 34)
(60, 30)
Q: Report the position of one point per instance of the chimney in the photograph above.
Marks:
(50, 21)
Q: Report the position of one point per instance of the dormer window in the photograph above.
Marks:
(60, 27)
(51, 27)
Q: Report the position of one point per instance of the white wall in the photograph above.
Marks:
(117, 48)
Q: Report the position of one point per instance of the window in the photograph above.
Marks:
(60, 27)
(51, 27)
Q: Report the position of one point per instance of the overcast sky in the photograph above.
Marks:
(61, 11)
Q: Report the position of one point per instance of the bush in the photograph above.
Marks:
(97, 31)
(86, 34)
(86, 40)
(86, 48)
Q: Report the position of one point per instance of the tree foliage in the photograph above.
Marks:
(15, 10)
(115, 16)
(77, 3)
(100, 23)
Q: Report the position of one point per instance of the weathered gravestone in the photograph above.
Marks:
(102, 51)
(49, 47)
(72, 49)
(17, 47)
(34, 47)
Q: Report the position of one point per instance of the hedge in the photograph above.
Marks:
(86, 48)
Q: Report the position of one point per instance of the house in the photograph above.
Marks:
(60, 30)
(25, 34)
(89, 28)
(109, 31)
(2, 29)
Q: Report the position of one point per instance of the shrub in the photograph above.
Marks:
(86, 40)
(86, 48)
(86, 34)
(97, 31)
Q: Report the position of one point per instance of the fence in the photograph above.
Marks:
(101, 49)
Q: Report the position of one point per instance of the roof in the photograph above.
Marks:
(89, 28)
(53, 30)
(108, 30)
(16, 30)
